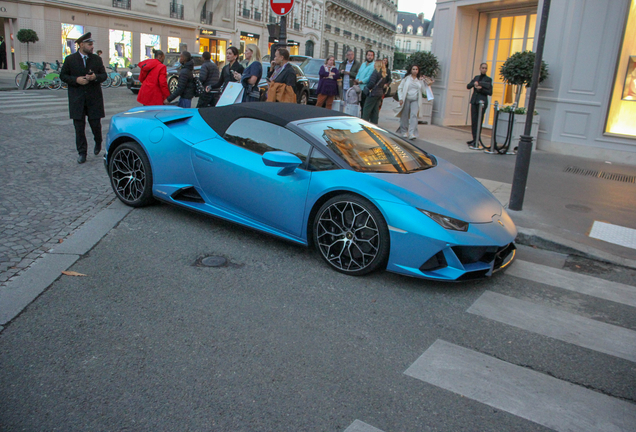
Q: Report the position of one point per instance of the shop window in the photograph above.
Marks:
(148, 43)
(70, 32)
(120, 48)
(622, 109)
(173, 44)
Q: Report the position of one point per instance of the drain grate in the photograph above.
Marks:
(624, 178)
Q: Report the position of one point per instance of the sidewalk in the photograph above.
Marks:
(585, 215)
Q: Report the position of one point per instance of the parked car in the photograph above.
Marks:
(295, 59)
(310, 67)
(396, 77)
(364, 197)
(302, 83)
(172, 66)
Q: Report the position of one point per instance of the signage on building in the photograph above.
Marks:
(281, 7)
(206, 32)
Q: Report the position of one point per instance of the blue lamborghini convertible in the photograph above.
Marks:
(364, 197)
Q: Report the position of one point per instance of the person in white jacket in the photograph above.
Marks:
(412, 90)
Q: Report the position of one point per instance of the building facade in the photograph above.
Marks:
(414, 33)
(359, 25)
(587, 106)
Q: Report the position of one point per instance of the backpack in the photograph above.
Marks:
(199, 90)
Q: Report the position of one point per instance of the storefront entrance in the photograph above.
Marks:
(506, 35)
(216, 48)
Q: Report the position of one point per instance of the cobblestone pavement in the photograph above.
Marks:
(45, 194)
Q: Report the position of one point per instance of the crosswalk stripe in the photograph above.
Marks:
(28, 98)
(583, 284)
(534, 396)
(70, 122)
(114, 108)
(557, 324)
(31, 106)
(360, 426)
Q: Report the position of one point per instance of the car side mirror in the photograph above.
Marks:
(284, 160)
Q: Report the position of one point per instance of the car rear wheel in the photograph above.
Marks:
(351, 235)
(130, 175)
(303, 98)
(172, 84)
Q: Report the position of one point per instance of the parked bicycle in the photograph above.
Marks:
(39, 79)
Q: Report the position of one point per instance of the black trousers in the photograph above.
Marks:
(80, 133)
(205, 100)
(3, 61)
(474, 114)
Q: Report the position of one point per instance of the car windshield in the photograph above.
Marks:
(367, 148)
(311, 66)
(172, 61)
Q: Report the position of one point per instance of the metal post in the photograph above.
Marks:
(282, 38)
(522, 165)
(477, 145)
(493, 137)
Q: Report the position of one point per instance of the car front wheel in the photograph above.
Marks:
(351, 235)
(130, 175)
(303, 98)
(172, 84)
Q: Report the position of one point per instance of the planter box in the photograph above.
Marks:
(426, 112)
(517, 129)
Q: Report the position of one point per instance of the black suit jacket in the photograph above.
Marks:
(480, 94)
(89, 95)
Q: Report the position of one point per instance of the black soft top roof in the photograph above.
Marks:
(220, 118)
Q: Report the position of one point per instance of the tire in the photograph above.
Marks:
(56, 83)
(303, 98)
(117, 81)
(172, 84)
(30, 81)
(135, 91)
(107, 83)
(130, 175)
(351, 235)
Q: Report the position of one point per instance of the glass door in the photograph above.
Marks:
(507, 34)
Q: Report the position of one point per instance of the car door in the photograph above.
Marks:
(232, 174)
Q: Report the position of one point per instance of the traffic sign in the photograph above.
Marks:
(281, 7)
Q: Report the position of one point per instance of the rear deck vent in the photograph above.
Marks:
(624, 178)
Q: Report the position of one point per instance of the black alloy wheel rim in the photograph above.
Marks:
(128, 175)
(348, 236)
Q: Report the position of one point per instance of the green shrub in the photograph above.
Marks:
(27, 36)
(426, 61)
(517, 70)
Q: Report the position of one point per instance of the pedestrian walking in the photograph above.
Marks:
(154, 80)
(348, 72)
(251, 75)
(208, 75)
(84, 71)
(327, 83)
(482, 88)
(375, 85)
(364, 74)
(281, 79)
(227, 73)
(411, 92)
(185, 86)
(3, 54)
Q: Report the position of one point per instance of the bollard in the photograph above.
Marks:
(493, 138)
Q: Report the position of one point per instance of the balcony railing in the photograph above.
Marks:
(123, 4)
(328, 27)
(350, 5)
(257, 16)
(272, 19)
(346, 33)
(206, 17)
(296, 26)
(245, 13)
(176, 10)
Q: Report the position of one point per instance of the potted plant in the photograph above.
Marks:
(27, 36)
(429, 66)
(517, 71)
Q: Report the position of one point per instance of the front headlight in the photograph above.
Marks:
(447, 221)
(129, 74)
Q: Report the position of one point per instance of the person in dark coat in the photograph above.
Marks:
(482, 88)
(371, 108)
(186, 86)
(281, 79)
(84, 71)
(3, 54)
(328, 83)
(227, 73)
(208, 75)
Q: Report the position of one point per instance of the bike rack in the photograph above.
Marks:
(494, 146)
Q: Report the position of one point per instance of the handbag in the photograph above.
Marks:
(254, 92)
(199, 89)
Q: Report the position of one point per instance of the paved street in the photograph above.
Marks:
(150, 340)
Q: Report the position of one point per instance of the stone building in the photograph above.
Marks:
(414, 33)
(359, 25)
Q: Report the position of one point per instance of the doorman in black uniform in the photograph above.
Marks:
(84, 72)
(482, 88)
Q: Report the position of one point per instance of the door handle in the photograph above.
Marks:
(203, 156)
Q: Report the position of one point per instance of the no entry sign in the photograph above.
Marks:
(281, 7)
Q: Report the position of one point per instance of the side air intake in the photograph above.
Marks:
(188, 194)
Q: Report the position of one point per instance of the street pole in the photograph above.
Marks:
(282, 38)
(522, 164)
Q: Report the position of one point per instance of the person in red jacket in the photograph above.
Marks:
(154, 81)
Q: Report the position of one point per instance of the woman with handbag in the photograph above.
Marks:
(410, 94)
(375, 88)
(251, 75)
(328, 83)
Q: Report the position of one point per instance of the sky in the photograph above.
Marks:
(417, 6)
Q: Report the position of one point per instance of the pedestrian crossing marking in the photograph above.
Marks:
(615, 234)
(557, 324)
(360, 426)
(528, 394)
(583, 284)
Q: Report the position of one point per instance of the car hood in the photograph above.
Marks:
(444, 189)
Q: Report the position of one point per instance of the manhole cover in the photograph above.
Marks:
(214, 261)
(578, 208)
